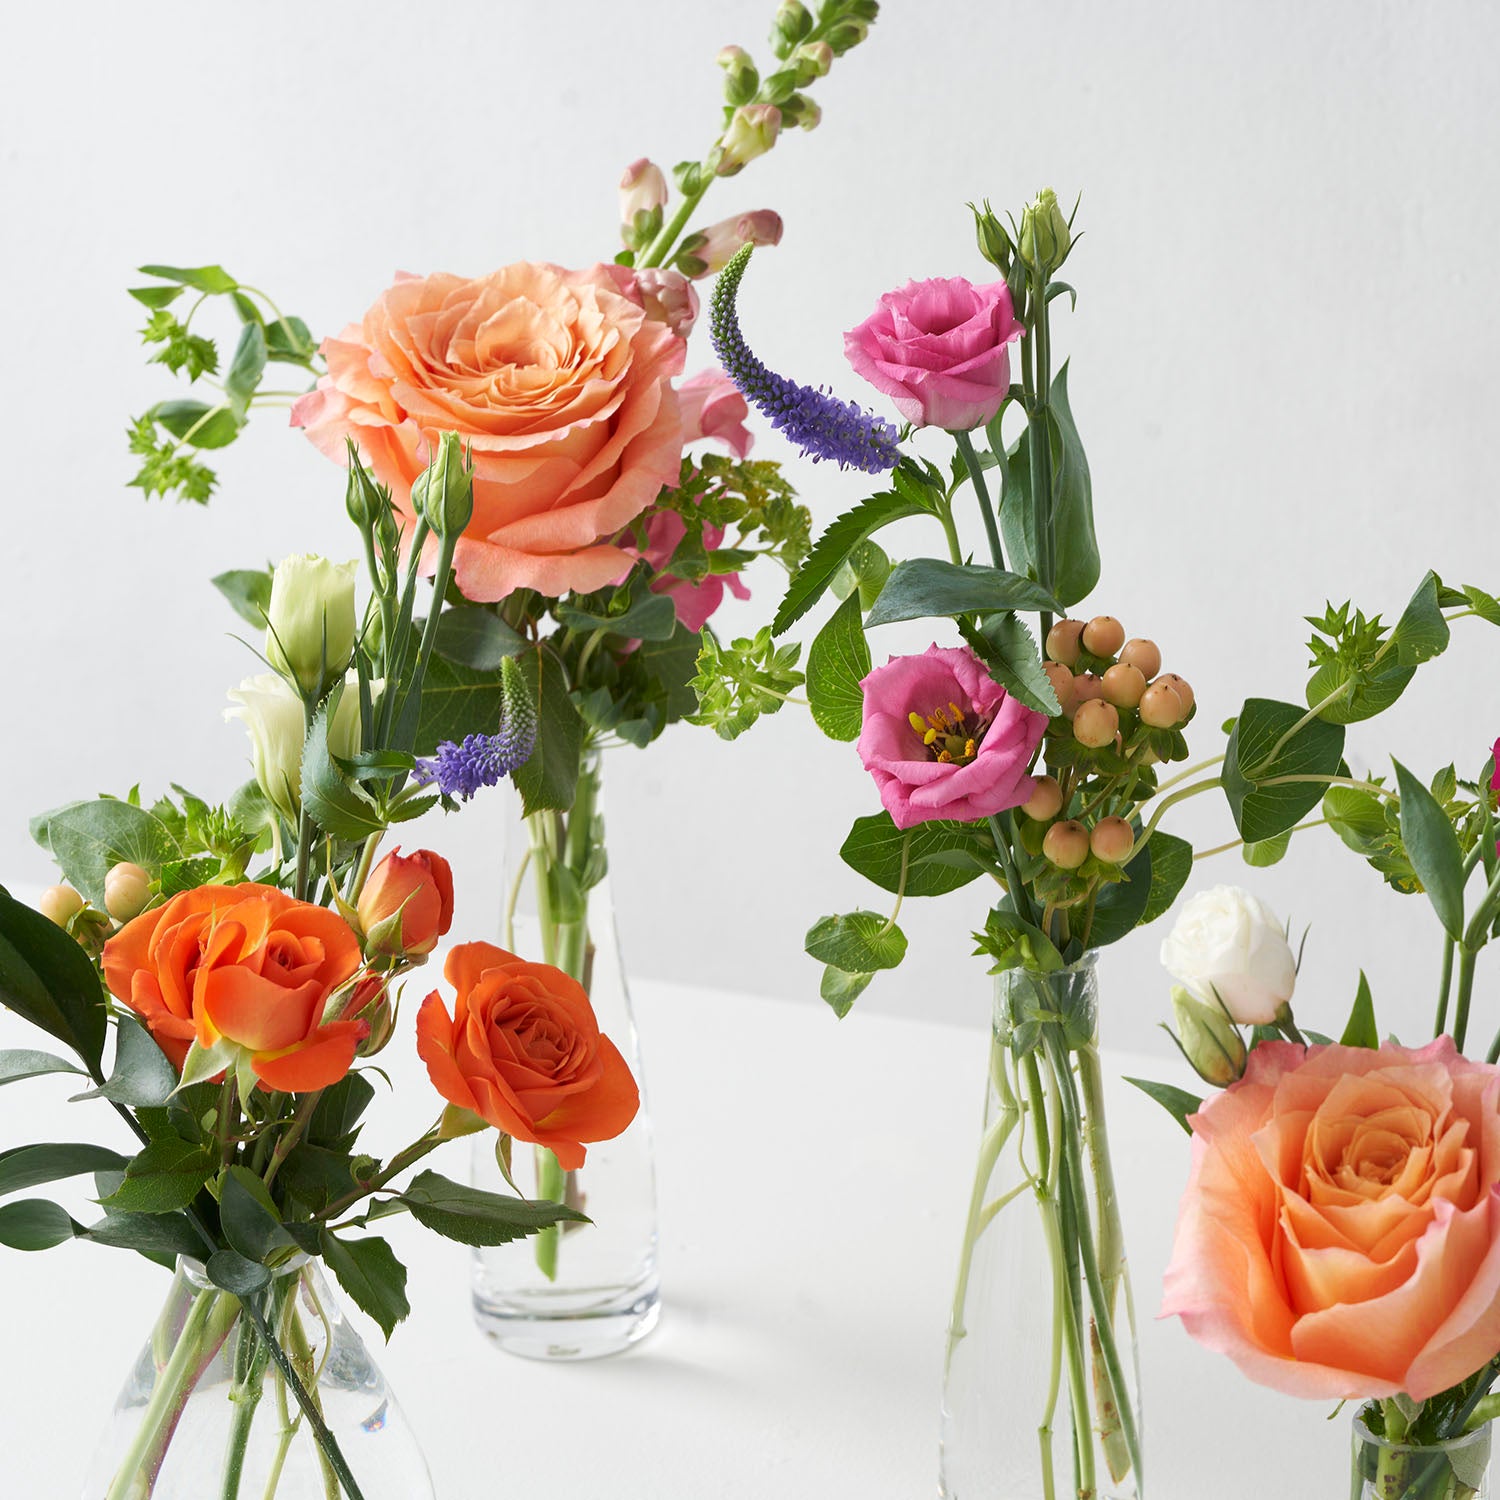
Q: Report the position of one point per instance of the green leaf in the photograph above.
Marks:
(841, 989)
(1015, 943)
(35, 1224)
(198, 424)
(333, 802)
(47, 979)
(456, 700)
(858, 942)
(369, 1272)
(157, 1236)
(201, 278)
(1268, 851)
(1016, 664)
(20, 1063)
(316, 1176)
(236, 1274)
(837, 661)
(1261, 811)
(29, 1166)
(473, 1217)
(1073, 505)
(1421, 633)
(142, 1075)
(812, 579)
(1433, 849)
(289, 341)
(250, 1219)
(652, 617)
(156, 296)
(1171, 865)
(1486, 606)
(88, 838)
(248, 591)
(1357, 817)
(550, 777)
(246, 368)
(1361, 1030)
(337, 1114)
(1120, 905)
(165, 1176)
(469, 635)
(923, 587)
(1177, 1102)
(940, 856)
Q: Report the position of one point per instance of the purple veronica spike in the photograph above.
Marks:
(816, 421)
(486, 759)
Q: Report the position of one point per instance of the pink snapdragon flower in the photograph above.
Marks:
(938, 350)
(943, 739)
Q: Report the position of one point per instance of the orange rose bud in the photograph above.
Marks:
(1062, 641)
(1045, 802)
(1112, 840)
(60, 904)
(1161, 708)
(1179, 685)
(523, 1051)
(1096, 723)
(1066, 844)
(1123, 685)
(1061, 679)
(127, 891)
(406, 905)
(1103, 636)
(1143, 655)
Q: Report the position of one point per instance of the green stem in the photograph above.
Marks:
(1337, 695)
(950, 531)
(1466, 960)
(551, 1183)
(244, 1401)
(1161, 808)
(662, 245)
(981, 490)
(1444, 985)
(1351, 781)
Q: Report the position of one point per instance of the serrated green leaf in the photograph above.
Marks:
(837, 662)
(163, 1177)
(1361, 1030)
(1433, 849)
(474, 1217)
(858, 942)
(329, 798)
(1016, 664)
(926, 587)
(369, 1272)
(875, 848)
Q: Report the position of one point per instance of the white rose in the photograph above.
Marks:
(1228, 943)
(310, 620)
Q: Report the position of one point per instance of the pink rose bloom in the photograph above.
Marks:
(937, 349)
(970, 757)
(712, 407)
(1339, 1238)
(560, 382)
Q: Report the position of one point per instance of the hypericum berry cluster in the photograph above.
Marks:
(1099, 677)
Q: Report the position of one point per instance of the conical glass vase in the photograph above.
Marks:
(1041, 1384)
(207, 1415)
(589, 1289)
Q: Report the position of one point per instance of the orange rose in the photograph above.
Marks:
(417, 891)
(1340, 1233)
(245, 964)
(524, 1052)
(558, 380)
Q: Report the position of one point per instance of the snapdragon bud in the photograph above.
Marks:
(793, 22)
(1208, 1039)
(127, 891)
(310, 621)
(802, 112)
(443, 493)
(812, 60)
(847, 34)
(1045, 236)
(751, 132)
(706, 252)
(740, 77)
(643, 194)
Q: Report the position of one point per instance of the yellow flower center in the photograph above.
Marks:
(950, 737)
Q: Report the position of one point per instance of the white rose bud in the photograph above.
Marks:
(1228, 944)
(310, 623)
(1214, 1048)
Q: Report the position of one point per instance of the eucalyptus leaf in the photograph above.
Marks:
(250, 1219)
(159, 1237)
(30, 1166)
(237, 1274)
(20, 1063)
(35, 1224)
(142, 1074)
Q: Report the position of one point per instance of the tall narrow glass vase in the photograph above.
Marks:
(206, 1413)
(1041, 1384)
(589, 1289)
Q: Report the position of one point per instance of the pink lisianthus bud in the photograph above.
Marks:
(406, 905)
(668, 297)
(1495, 777)
(938, 350)
(943, 739)
(707, 251)
(712, 407)
(751, 132)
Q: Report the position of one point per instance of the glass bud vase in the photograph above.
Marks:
(586, 1290)
(1041, 1382)
(207, 1415)
(1458, 1469)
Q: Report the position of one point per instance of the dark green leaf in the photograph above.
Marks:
(1486, 606)
(841, 989)
(812, 579)
(316, 1176)
(1261, 811)
(1421, 633)
(456, 700)
(875, 847)
(248, 591)
(369, 1272)
(550, 777)
(249, 1217)
(237, 1275)
(198, 424)
(473, 1217)
(1433, 848)
(1119, 906)
(1177, 1102)
(1361, 1030)
(35, 1224)
(29, 1166)
(923, 587)
(88, 838)
(339, 1110)
(1015, 663)
(142, 1074)
(47, 979)
(858, 942)
(1076, 549)
(157, 1236)
(837, 661)
(165, 1176)
(333, 802)
(18, 1064)
(289, 341)
(246, 368)
(201, 278)
(469, 635)
(1171, 864)
(652, 617)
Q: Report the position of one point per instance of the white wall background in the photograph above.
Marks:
(1284, 375)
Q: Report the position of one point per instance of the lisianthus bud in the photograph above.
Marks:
(443, 493)
(1228, 949)
(310, 621)
(1045, 236)
(366, 501)
(60, 904)
(707, 251)
(812, 60)
(751, 132)
(668, 296)
(127, 891)
(1208, 1039)
(406, 905)
(273, 714)
(994, 242)
(793, 22)
(740, 77)
(643, 192)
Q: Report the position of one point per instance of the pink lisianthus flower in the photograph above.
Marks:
(938, 350)
(970, 756)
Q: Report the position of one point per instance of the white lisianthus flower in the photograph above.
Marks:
(310, 620)
(1228, 948)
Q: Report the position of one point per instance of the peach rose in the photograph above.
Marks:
(558, 380)
(524, 1052)
(1340, 1233)
(246, 964)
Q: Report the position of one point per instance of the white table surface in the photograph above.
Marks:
(812, 1178)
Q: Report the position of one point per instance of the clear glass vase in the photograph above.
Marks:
(207, 1415)
(1458, 1469)
(1041, 1382)
(589, 1289)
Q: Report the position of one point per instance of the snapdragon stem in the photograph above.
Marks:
(662, 245)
